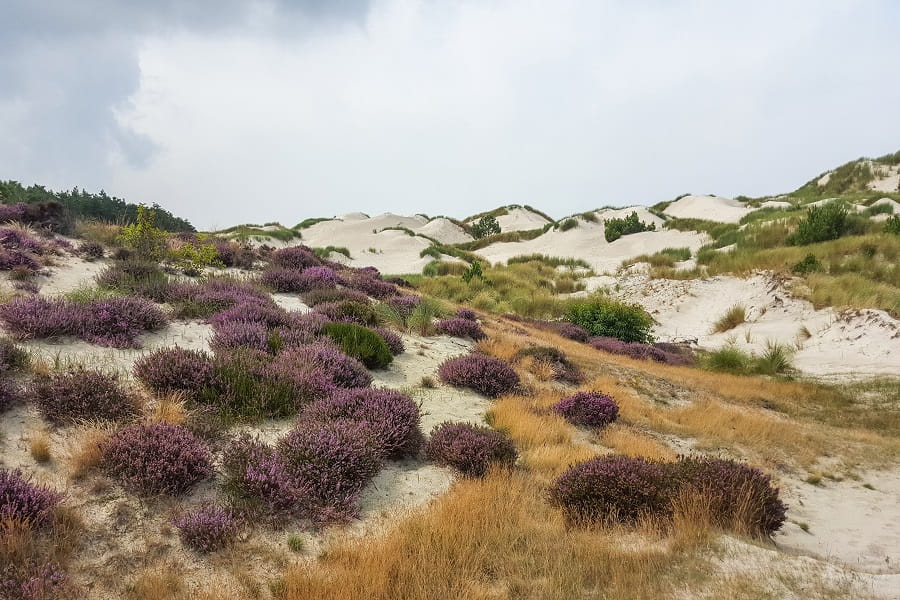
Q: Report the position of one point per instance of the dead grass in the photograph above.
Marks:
(171, 408)
(552, 460)
(502, 347)
(83, 452)
(39, 446)
(513, 415)
(491, 538)
(630, 442)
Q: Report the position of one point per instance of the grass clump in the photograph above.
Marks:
(609, 318)
(733, 317)
(775, 360)
(822, 223)
(362, 344)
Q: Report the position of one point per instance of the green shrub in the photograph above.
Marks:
(192, 259)
(608, 318)
(616, 228)
(733, 317)
(472, 272)
(147, 240)
(728, 359)
(809, 264)
(486, 225)
(892, 225)
(568, 224)
(360, 343)
(822, 223)
(775, 360)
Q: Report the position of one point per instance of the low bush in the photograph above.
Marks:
(295, 257)
(392, 339)
(256, 479)
(318, 369)
(739, 497)
(82, 394)
(484, 374)
(136, 278)
(569, 331)
(892, 225)
(207, 528)
(568, 224)
(562, 368)
(264, 312)
(360, 343)
(349, 311)
(240, 334)
(331, 462)
(371, 285)
(330, 295)
(616, 228)
(12, 357)
(809, 264)
(157, 458)
(466, 313)
(174, 369)
(458, 327)
(470, 449)
(245, 385)
(602, 317)
(775, 360)
(24, 501)
(391, 415)
(588, 409)
(612, 489)
(90, 250)
(10, 394)
(822, 223)
(670, 354)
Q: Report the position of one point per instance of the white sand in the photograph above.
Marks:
(588, 242)
(520, 219)
(776, 204)
(710, 208)
(887, 178)
(444, 231)
(843, 345)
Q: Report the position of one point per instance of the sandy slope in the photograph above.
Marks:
(847, 344)
(711, 208)
(520, 219)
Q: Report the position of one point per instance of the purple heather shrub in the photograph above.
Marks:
(91, 250)
(563, 368)
(118, 322)
(736, 492)
(82, 394)
(371, 286)
(240, 334)
(10, 394)
(459, 327)
(404, 304)
(318, 369)
(233, 254)
(12, 212)
(310, 322)
(612, 488)
(328, 295)
(641, 351)
(174, 369)
(392, 339)
(470, 449)
(349, 312)
(207, 528)
(256, 475)
(467, 314)
(295, 257)
(12, 357)
(22, 500)
(391, 415)
(34, 581)
(290, 337)
(369, 271)
(484, 374)
(37, 317)
(157, 458)
(283, 280)
(212, 296)
(569, 331)
(31, 287)
(265, 312)
(332, 462)
(17, 240)
(319, 278)
(245, 386)
(588, 409)
(12, 259)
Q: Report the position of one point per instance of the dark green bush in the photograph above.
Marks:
(809, 264)
(822, 223)
(608, 318)
(360, 343)
(568, 224)
(472, 272)
(486, 225)
(616, 228)
(892, 225)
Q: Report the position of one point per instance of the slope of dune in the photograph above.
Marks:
(710, 208)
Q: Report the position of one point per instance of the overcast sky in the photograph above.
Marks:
(232, 111)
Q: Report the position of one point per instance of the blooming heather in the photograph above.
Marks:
(470, 449)
(392, 339)
(318, 369)
(392, 416)
(174, 369)
(240, 334)
(82, 394)
(484, 374)
(22, 500)
(207, 528)
(255, 476)
(459, 327)
(156, 458)
(588, 409)
(295, 257)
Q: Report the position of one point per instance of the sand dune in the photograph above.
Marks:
(710, 208)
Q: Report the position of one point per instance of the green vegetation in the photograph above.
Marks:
(809, 264)
(550, 261)
(327, 250)
(892, 225)
(733, 317)
(775, 360)
(486, 225)
(147, 240)
(667, 257)
(310, 222)
(608, 318)
(616, 228)
(242, 233)
(822, 223)
(80, 204)
(568, 224)
(509, 236)
(362, 344)
(472, 272)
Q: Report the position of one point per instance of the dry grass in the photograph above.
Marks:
(502, 347)
(22, 547)
(39, 446)
(170, 408)
(735, 315)
(553, 460)
(83, 452)
(95, 231)
(491, 538)
(542, 370)
(630, 442)
(513, 415)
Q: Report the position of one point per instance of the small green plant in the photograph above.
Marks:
(735, 315)
(892, 225)
(616, 228)
(472, 272)
(360, 343)
(486, 225)
(868, 486)
(775, 360)
(146, 239)
(809, 264)
(421, 319)
(608, 318)
(568, 224)
(822, 223)
(192, 259)
(295, 543)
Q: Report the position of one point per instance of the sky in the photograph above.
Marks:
(228, 111)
